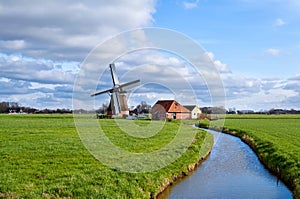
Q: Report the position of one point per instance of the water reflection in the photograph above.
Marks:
(232, 171)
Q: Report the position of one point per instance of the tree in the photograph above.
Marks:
(4, 107)
(102, 109)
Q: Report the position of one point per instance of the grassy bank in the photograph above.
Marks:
(43, 156)
(276, 140)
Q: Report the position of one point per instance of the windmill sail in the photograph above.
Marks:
(101, 92)
(115, 103)
(114, 74)
(130, 85)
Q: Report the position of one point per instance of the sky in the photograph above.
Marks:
(255, 46)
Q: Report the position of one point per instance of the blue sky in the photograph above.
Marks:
(256, 38)
(254, 44)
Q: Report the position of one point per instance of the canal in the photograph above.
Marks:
(231, 171)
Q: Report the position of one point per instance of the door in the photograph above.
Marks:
(174, 115)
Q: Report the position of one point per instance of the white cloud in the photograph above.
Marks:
(190, 5)
(279, 22)
(67, 29)
(254, 93)
(17, 67)
(221, 67)
(272, 51)
(42, 44)
(13, 44)
(296, 77)
(274, 98)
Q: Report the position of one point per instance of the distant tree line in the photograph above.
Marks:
(222, 110)
(281, 111)
(142, 108)
(102, 110)
(50, 111)
(268, 112)
(15, 108)
(213, 110)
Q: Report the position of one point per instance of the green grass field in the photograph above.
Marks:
(43, 156)
(276, 140)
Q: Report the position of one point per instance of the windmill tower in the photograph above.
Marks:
(118, 101)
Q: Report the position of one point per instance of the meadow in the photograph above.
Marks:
(42, 156)
(276, 140)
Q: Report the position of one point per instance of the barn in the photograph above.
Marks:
(169, 109)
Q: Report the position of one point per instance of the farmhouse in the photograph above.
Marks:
(169, 109)
(195, 111)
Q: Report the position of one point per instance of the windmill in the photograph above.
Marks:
(118, 102)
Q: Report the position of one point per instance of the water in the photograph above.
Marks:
(231, 171)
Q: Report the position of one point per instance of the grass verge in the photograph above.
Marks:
(42, 156)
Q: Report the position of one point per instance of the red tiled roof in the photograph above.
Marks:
(172, 106)
(165, 103)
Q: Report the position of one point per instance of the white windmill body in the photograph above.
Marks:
(118, 101)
